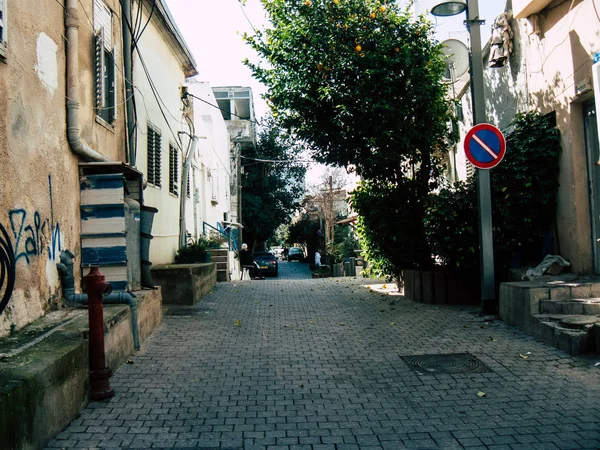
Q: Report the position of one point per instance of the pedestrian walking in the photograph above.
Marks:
(317, 259)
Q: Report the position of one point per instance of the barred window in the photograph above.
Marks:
(154, 144)
(104, 57)
(173, 169)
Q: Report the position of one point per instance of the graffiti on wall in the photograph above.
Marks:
(7, 268)
(32, 235)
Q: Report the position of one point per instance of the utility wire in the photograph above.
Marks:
(246, 16)
(255, 122)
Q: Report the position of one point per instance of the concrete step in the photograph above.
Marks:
(219, 252)
(222, 265)
(573, 334)
(223, 275)
(576, 306)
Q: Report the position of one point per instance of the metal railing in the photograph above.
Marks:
(231, 234)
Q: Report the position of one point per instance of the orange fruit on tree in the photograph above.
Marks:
(319, 67)
(382, 8)
(372, 15)
(307, 3)
(358, 48)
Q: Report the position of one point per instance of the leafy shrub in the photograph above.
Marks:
(195, 252)
(524, 189)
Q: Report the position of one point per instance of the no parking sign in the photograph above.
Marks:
(485, 146)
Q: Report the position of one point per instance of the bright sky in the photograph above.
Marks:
(213, 30)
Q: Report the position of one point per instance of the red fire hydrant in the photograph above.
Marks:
(96, 287)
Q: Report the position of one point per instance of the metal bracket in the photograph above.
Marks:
(467, 23)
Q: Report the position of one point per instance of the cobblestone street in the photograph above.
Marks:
(318, 364)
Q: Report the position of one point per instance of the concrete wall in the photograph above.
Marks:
(558, 58)
(39, 185)
(184, 284)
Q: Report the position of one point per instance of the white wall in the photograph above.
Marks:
(211, 165)
(168, 77)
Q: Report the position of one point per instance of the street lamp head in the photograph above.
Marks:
(449, 8)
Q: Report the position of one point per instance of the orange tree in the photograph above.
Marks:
(360, 82)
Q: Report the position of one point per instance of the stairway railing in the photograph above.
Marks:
(231, 235)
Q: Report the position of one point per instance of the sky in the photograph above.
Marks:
(213, 31)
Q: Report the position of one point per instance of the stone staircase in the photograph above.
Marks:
(221, 258)
(563, 311)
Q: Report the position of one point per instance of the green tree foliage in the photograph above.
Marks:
(360, 82)
(270, 190)
(524, 189)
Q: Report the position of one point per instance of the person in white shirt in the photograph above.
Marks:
(317, 259)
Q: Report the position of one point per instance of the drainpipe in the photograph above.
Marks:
(65, 269)
(182, 197)
(72, 50)
(128, 72)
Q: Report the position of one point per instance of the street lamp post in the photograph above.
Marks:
(486, 244)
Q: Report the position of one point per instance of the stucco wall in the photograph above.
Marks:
(168, 77)
(558, 59)
(39, 186)
(541, 76)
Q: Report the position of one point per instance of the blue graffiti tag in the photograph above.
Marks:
(29, 239)
(54, 248)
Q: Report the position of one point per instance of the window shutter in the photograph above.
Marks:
(103, 21)
(214, 184)
(100, 67)
(157, 159)
(150, 155)
(173, 169)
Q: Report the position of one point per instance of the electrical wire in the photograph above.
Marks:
(279, 161)
(246, 16)
(596, 10)
(256, 122)
(141, 31)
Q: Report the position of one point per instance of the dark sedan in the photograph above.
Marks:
(267, 262)
(295, 254)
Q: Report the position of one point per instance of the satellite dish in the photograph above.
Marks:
(457, 59)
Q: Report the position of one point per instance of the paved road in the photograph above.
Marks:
(318, 365)
(294, 271)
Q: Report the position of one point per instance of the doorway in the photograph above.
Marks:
(592, 147)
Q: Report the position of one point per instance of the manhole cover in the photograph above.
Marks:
(445, 364)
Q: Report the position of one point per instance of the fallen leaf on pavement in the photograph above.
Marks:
(129, 361)
(523, 356)
(238, 323)
(492, 339)
(342, 324)
(392, 323)
(481, 394)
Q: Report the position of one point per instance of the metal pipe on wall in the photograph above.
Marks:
(72, 69)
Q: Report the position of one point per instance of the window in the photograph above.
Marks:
(154, 141)
(3, 28)
(173, 169)
(104, 57)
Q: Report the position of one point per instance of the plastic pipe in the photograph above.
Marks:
(65, 269)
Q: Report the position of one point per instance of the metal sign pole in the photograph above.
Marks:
(486, 243)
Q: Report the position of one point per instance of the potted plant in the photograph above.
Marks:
(195, 252)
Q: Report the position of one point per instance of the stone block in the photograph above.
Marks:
(560, 293)
(550, 307)
(573, 308)
(537, 294)
(184, 284)
(506, 303)
(581, 291)
(591, 309)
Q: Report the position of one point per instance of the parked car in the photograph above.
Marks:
(295, 254)
(267, 262)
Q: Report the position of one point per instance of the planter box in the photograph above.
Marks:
(184, 284)
(440, 287)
